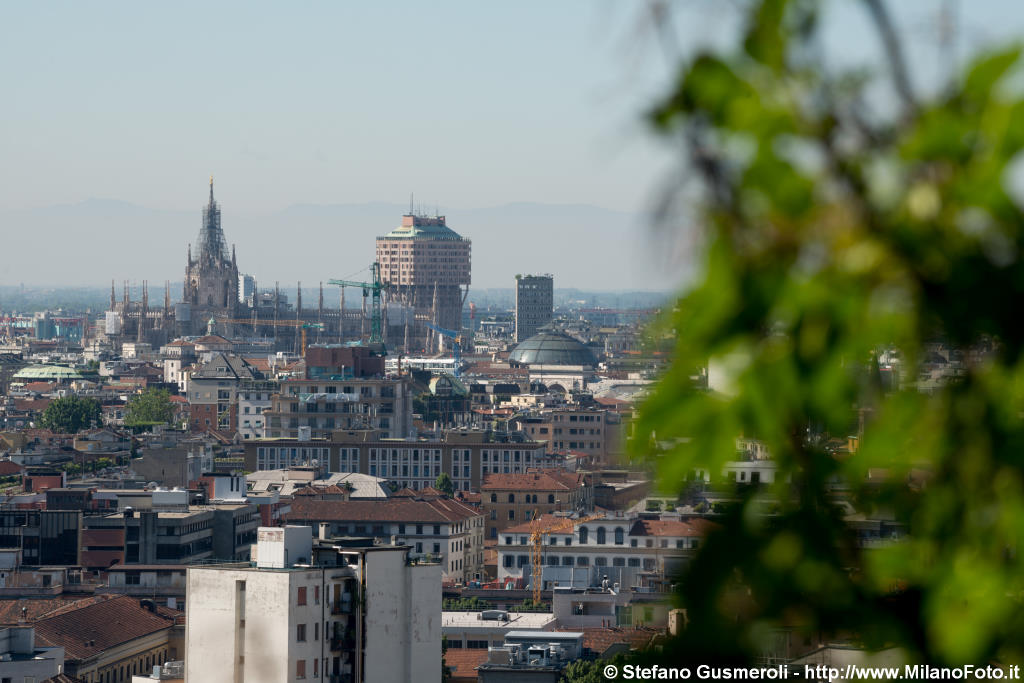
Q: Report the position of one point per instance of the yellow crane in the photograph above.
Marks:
(537, 546)
(302, 325)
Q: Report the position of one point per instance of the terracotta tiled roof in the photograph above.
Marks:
(314, 490)
(694, 526)
(542, 524)
(425, 493)
(597, 639)
(8, 468)
(64, 678)
(534, 480)
(10, 609)
(36, 404)
(39, 387)
(470, 497)
(391, 510)
(87, 630)
(463, 662)
(261, 363)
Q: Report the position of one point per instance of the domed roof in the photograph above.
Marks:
(552, 348)
(43, 372)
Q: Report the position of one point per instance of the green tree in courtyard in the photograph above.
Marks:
(70, 414)
(151, 407)
(837, 241)
(444, 483)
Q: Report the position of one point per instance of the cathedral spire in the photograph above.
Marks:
(211, 189)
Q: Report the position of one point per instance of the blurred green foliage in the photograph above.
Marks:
(832, 233)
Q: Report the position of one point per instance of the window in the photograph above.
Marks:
(601, 561)
(619, 562)
(437, 529)
(508, 540)
(316, 595)
(511, 514)
(634, 562)
(551, 499)
(583, 534)
(619, 536)
(300, 668)
(507, 561)
(511, 498)
(316, 630)
(302, 596)
(582, 561)
(601, 540)
(300, 633)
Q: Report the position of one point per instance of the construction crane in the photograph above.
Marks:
(456, 345)
(370, 288)
(537, 547)
(300, 324)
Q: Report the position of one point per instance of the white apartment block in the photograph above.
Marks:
(323, 612)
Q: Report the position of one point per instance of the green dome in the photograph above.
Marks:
(552, 348)
(44, 373)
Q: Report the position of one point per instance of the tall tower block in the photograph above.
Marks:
(427, 265)
(535, 304)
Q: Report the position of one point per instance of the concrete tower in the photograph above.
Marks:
(534, 304)
(427, 265)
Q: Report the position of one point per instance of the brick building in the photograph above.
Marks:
(510, 499)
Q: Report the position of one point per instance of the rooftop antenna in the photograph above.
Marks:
(410, 204)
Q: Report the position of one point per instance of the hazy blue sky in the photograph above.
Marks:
(465, 103)
(468, 104)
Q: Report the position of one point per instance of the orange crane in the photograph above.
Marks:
(537, 545)
(302, 325)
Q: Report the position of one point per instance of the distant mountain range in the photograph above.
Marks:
(90, 242)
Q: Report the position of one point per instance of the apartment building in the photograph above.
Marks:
(508, 499)
(632, 551)
(440, 530)
(466, 455)
(334, 611)
(534, 304)
(325, 405)
(213, 389)
(591, 431)
(254, 399)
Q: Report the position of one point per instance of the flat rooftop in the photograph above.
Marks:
(520, 621)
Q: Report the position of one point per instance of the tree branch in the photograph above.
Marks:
(894, 53)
